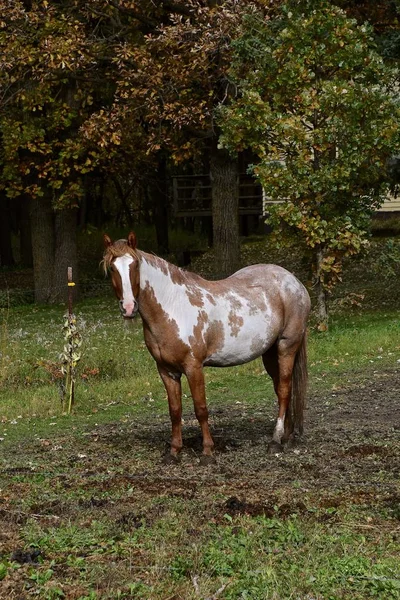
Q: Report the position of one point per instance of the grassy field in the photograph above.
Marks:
(87, 510)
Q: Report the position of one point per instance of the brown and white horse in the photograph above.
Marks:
(190, 323)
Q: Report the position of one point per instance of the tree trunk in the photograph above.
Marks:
(123, 196)
(65, 225)
(25, 235)
(225, 211)
(54, 250)
(322, 308)
(160, 207)
(42, 227)
(6, 253)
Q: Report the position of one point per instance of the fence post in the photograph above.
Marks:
(71, 356)
(70, 286)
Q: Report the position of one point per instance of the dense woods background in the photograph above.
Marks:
(106, 106)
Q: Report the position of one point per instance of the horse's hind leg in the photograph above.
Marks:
(279, 362)
(172, 383)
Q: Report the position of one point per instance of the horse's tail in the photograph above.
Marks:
(299, 386)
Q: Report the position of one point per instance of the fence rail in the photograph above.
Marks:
(192, 197)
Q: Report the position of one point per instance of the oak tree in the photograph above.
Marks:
(318, 106)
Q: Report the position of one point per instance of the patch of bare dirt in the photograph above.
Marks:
(350, 455)
(351, 449)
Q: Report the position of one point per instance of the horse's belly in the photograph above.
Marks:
(241, 349)
(229, 360)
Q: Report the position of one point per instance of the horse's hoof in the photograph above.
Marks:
(290, 442)
(207, 459)
(171, 459)
(294, 441)
(274, 447)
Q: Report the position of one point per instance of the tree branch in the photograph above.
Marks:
(149, 23)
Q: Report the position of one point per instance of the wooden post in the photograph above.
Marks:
(70, 286)
(71, 355)
(70, 380)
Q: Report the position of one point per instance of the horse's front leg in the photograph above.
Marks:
(172, 382)
(195, 377)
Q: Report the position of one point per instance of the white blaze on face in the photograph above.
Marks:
(122, 263)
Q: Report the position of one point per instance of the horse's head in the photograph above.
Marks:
(121, 260)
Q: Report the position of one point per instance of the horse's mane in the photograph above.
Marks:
(118, 248)
(121, 248)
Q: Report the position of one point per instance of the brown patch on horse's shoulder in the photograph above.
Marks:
(215, 337)
(183, 277)
(195, 296)
(204, 316)
(158, 263)
(175, 274)
(234, 301)
(249, 298)
(202, 320)
(211, 299)
(197, 340)
(235, 322)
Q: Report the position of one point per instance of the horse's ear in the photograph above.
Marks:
(132, 241)
(107, 240)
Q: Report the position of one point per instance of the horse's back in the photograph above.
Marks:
(273, 280)
(264, 273)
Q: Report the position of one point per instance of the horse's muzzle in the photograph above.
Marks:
(129, 313)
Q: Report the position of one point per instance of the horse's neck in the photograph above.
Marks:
(161, 283)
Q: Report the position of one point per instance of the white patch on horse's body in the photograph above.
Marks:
(171, 296)
(244, 346)
(249, 325)
(122, 263)
(243, 322)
